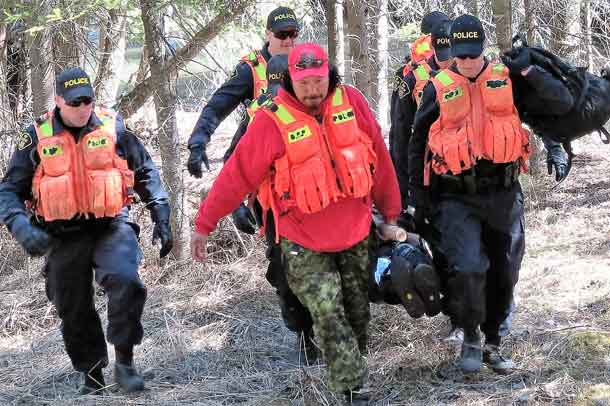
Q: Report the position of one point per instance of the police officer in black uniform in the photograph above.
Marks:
(479, 209)
(397, 117)
(74, 154)
(405, 100)
(282, 31)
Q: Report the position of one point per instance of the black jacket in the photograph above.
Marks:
(238, 89)
(551, 97)
(402, 115)
(16, 187)
(243, 127)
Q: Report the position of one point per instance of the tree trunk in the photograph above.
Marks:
(113, 42)
(340, 56)
(3, 41)
(529, 23)
(42, 78)
(358, 44)
(165, 102)
(16, 68)
(6, 116)
(69, 39)
(331, 30)
(372, 20)
(383, 103)
(585, 18)
(565, 27)
(131, 102)
(502, 13)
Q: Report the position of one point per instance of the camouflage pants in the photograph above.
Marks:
(334, 286)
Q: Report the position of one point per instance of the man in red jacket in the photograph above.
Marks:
(318, 161)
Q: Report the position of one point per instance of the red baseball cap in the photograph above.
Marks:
(307, 59)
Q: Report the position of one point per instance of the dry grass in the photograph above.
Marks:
(214, 335)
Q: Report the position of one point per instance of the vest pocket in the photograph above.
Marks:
(504, 141)
(455, 149)
(106, 193)
(56, 197)
(355, 170)
(98, 150)
(310, 185)
(55, 156)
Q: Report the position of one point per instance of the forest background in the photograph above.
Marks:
(213, 331)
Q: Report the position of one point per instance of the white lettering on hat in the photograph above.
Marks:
(442, 41)
(466, 35)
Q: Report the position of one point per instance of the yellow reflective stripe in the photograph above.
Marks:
(444, 78)
(107, 122)
(46, 128)
(498, 68)
(422, 73)
(252, 56)
(284, 115)
(422, 48)
(338, 97)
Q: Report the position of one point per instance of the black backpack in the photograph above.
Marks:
(591, 95)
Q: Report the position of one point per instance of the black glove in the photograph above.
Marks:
(517, 63)
(244, 220)
(196, 158)
(162, 230)
(556, 158)
(34, 240)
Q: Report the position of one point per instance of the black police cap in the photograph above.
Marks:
(282, 19)
(72, 84)
(431, 19)
(467, 36)
(441, 40)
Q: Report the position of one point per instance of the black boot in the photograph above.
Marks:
(125, 373)
(496, 361)
(93, 382)
(471, 355)
(128, 378)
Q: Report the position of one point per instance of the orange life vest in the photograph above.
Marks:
(323, 162)
(258, 65)
(421, 49)
(478, 120)
(422, 75)
(80, 178)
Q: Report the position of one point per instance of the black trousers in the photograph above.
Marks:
(111, 252)
(482, 239)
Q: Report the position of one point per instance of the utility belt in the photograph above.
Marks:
(476, 181)
(77, 225)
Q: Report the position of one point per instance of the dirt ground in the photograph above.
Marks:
(214, 336)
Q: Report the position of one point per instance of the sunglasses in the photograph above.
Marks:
(81, 100)
(285, 34)
(310, 63)
(468, 56)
